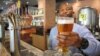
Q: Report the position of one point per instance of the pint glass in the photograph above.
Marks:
(64, 25)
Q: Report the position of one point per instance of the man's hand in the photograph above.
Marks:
(69, 39)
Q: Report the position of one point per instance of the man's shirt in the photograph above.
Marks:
(94, 45)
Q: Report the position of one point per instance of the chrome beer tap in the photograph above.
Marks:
(14, 40)
(2, 30)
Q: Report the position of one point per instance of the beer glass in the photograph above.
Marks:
(64, 25)
(54, 53)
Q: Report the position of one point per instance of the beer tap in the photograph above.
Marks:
(2, 30)
(14, 40)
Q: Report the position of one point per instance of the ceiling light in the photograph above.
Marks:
(27, 2)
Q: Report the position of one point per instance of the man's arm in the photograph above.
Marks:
(93, 47)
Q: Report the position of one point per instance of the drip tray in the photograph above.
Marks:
(26, 52)
(23, 51)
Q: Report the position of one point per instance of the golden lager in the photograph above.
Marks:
(65, 24)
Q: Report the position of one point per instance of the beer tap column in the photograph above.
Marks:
(14, 46)
(2, 30)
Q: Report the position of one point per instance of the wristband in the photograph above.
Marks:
(84, 44)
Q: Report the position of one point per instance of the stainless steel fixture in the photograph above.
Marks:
(17, 47)
(2, 31)
(14, 40)
(89, 17)
(99, 20)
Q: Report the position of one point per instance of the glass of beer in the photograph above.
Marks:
(64, 25)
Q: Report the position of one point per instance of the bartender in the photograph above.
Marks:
(80, 39)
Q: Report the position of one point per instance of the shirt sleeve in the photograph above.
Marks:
(94, 45)
(52, 38)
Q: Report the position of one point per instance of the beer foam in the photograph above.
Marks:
(65, 21)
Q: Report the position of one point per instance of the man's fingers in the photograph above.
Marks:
(62, 37)
(64, 33)
(70, 39)
(68, 34)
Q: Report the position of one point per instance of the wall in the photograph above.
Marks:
(49, 10)
(90, 3)
(50, 13)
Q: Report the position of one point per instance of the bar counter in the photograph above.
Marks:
(32, 49)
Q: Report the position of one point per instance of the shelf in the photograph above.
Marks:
(37, 15)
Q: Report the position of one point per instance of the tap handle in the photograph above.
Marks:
(12, 19)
